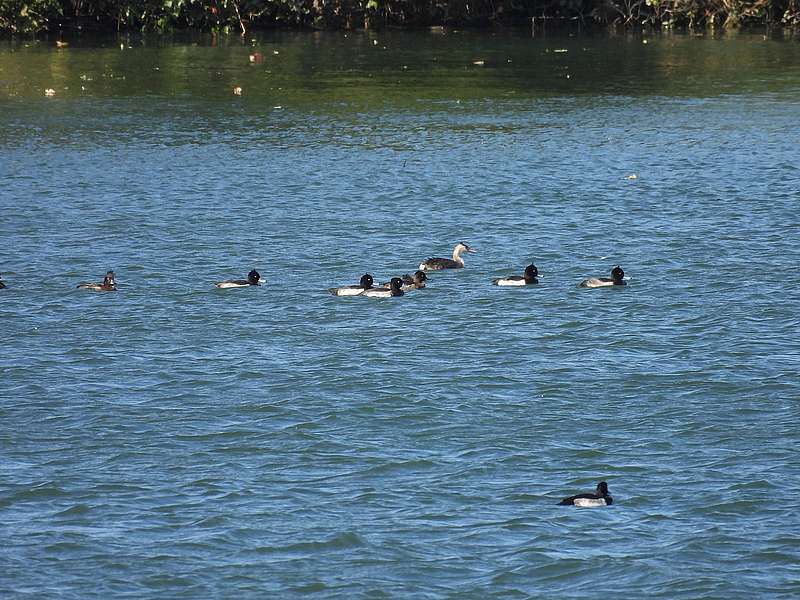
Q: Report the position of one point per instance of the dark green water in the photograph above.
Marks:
(174, 440)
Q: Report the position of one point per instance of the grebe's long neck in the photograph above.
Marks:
(457, 254)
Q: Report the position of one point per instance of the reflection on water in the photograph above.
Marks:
(363, 71)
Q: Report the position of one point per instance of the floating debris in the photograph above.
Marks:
(560, 50)
(275, 52)
(632, 176)
(49, 92)
(237, 91)
(478, 63)
(60, 44)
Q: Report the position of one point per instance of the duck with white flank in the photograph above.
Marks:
(439, 264)
(527, 278)
(394, 289)
(108, 285)
(354, 290)
(599, 498)
(253, 278)
(417, 282)
(594, 282)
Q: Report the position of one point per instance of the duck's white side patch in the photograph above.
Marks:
(511, 282)
(595, 283)
(349, 291)
(378, 293)
(589, 502)
(225, 285)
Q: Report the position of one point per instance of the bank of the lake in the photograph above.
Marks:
(244, 17)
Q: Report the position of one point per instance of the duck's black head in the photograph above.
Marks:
(617, 273)
(602, 489)
(420, 276)
(366, 281)
(253, 277)
(531, 271)
(109, 278)
(396, 283)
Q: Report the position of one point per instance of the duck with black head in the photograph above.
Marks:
(365, 283)
(411, 282)
(528, 277)
(440, 264)
(600, 497)
(109, 284)
(394, 290)
(253, 279)
(617, 275)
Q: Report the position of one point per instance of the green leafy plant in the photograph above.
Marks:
(27, 16)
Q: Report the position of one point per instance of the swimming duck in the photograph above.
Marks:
(394, 289)
(599, 498)
(527, 278)
(438, 264)
(354, 290)
(417, 282)
(2, 284)
(253, 278)
(616, 279)
(108, 285)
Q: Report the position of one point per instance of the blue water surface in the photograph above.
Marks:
(174, 440)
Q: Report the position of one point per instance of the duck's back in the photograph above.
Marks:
(97, 287)
(232, 283)
(439, 264)
(586, 500)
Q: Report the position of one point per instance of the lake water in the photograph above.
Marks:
(177, 441)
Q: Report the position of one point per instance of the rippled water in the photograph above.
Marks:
(179, 441)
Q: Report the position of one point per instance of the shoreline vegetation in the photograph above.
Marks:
(241, 16)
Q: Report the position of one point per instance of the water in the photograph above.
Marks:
(178, 441)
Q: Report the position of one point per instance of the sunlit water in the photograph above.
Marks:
(174, 440)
